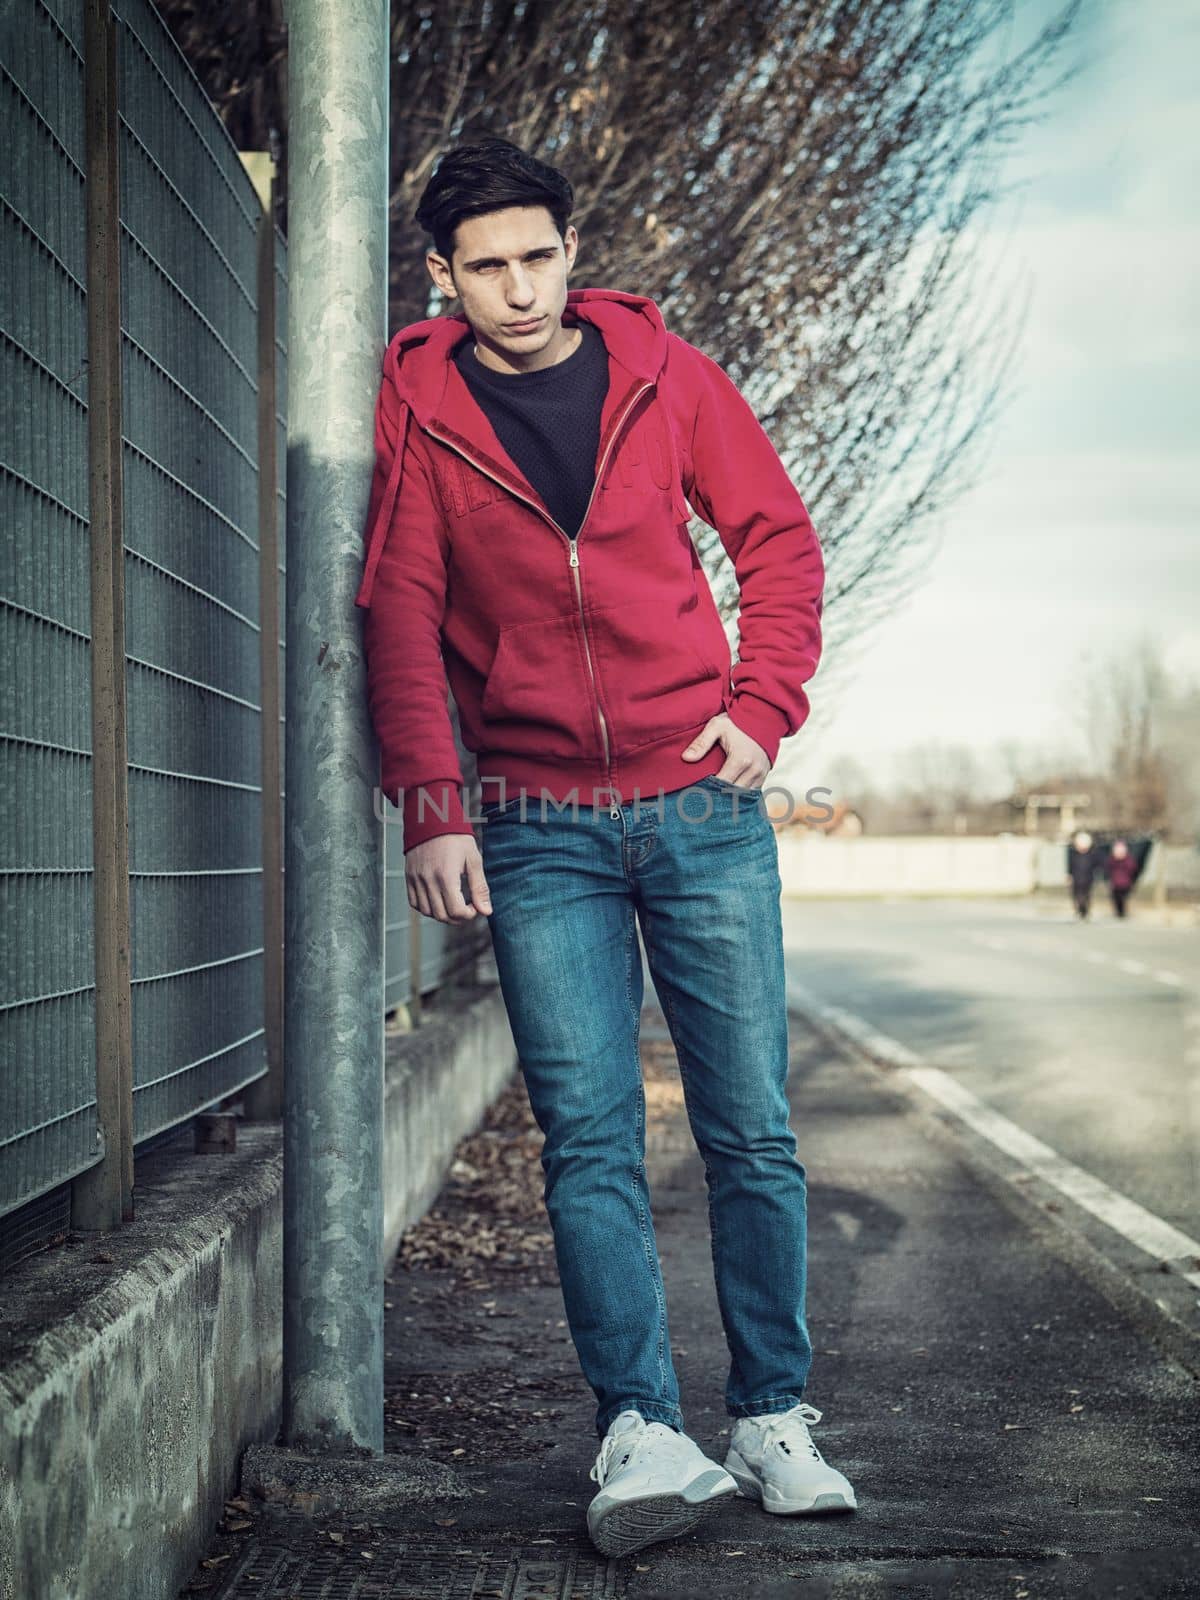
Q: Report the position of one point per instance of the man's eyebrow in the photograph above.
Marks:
(489, 261)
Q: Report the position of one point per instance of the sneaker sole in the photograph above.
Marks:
(820, 1505)
(629, 1525)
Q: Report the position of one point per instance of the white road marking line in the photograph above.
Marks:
(1098, 957)
(1142, 1228)
(1150, 1233)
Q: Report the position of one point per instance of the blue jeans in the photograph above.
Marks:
(699, 868)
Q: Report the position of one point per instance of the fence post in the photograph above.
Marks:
(264, 1097)
(102, 1197)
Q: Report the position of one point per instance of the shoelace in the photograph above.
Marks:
(791, 1427)
(613, 1442)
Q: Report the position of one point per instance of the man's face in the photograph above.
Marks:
(509, 267)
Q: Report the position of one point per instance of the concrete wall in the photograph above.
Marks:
(811, 864)
(135, 1366)
(427, 1112)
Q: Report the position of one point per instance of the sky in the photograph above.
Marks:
(1081, 533)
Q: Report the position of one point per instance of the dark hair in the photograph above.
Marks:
(488, 176)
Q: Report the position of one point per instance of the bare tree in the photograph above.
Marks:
(239, 53)
(1179, 734)
(1143, 734)
(793, 182)
(940, 783)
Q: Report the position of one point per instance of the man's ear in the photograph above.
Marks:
(439, 265)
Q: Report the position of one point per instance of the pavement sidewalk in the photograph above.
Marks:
(1008, 1431)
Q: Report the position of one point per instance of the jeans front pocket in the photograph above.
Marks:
(733, 788)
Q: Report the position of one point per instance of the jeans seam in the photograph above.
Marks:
(640, 1165)
(711, 1180)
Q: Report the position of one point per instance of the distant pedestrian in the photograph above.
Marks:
(1122, 870)
(1081, 869)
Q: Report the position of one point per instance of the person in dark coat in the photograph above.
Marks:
(1122, 870)
(1081, 869)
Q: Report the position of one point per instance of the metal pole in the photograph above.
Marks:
(333, 914)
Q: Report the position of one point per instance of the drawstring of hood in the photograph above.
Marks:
(383, 520)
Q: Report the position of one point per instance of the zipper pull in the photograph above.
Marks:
(574, 552)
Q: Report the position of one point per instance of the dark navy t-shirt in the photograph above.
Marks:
(548, 420)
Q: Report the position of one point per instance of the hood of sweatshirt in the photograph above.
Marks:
(418, 357)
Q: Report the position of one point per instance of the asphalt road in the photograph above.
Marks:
(1086, 1035)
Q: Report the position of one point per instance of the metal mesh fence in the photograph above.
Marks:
(48, 1121)
(190, 219)
(190, 222)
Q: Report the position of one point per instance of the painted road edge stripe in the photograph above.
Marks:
(1159, 1239)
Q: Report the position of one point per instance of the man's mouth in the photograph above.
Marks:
(524, 327)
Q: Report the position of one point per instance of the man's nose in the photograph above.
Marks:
(520, 290)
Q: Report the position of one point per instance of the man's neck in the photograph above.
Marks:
(571, 343)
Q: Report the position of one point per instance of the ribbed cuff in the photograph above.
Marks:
(432, 808)
(765, 723)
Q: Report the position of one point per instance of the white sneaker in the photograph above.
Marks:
(774, 1460)
(655, 1483)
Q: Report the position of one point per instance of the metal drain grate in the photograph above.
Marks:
(408, 1571)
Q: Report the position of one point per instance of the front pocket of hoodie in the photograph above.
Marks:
(538, 699)
(657, 676)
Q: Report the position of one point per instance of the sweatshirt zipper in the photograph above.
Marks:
(573, 548)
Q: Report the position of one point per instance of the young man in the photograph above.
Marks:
(528, 539)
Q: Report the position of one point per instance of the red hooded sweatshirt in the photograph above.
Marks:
(581, 668)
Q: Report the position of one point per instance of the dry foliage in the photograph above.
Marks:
(793, 182)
